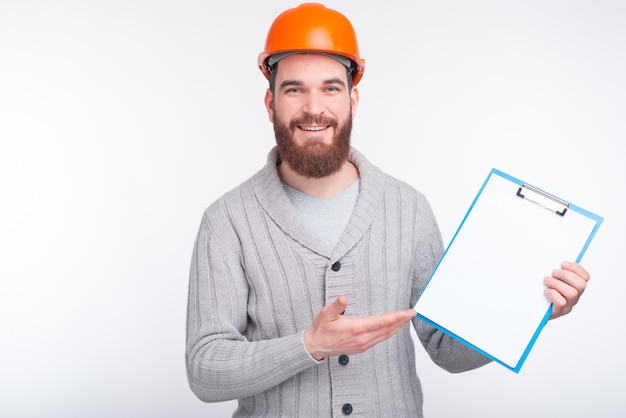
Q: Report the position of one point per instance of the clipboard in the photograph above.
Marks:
(487, 290)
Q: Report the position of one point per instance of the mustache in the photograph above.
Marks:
(312, 120)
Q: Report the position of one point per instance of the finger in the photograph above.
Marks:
(380, 329)
(385, 321)
(556, 298)
(337, 307)
(570, 288)
(560, 305)
(569, 278)
(576, 269)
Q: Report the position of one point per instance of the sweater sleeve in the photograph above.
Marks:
(446, 351)
(221, 363)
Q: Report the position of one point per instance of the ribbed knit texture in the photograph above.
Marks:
(259, 276)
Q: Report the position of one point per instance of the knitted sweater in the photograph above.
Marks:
(259, 276)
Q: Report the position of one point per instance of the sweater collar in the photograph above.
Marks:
(269, 192)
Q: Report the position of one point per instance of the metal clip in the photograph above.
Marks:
(542, 201)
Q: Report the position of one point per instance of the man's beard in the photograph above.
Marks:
(313, 159)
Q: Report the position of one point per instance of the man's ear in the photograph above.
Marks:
(354, 100)
(269, 104)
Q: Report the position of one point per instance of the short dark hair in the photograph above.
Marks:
(272, 70)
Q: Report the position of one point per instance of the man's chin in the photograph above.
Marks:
(313, 142)
(316, 148)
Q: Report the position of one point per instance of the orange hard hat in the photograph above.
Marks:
(312, 28)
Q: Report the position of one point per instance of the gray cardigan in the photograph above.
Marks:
(259, 276)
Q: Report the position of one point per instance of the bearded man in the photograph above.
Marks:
(304, 277)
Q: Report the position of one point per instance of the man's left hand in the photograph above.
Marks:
(565, 287)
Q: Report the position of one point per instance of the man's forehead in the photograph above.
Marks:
(310, 67)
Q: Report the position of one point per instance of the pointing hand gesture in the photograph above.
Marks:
(332, 333)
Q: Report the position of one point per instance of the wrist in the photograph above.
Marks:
(309, 346)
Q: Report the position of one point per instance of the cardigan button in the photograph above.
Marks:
(336, 266)
(344, 359)
(346, 409)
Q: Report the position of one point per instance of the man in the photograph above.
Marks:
(303, 277)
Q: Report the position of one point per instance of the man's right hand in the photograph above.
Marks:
(333, 334)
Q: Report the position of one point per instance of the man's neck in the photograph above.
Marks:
(323, 188)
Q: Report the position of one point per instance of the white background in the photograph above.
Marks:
(120, 121)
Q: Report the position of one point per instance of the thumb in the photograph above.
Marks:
(338, 306)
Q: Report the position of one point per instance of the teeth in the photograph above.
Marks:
(313, 128)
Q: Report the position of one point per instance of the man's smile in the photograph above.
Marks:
(315, 128)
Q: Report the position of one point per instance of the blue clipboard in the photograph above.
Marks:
(487, 290)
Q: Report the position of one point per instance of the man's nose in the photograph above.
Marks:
(314, 104)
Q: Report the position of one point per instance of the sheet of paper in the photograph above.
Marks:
(488, 288)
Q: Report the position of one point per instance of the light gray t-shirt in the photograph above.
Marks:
(327, 218)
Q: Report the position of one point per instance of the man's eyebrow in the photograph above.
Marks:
(335, 81)
(288, 83)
